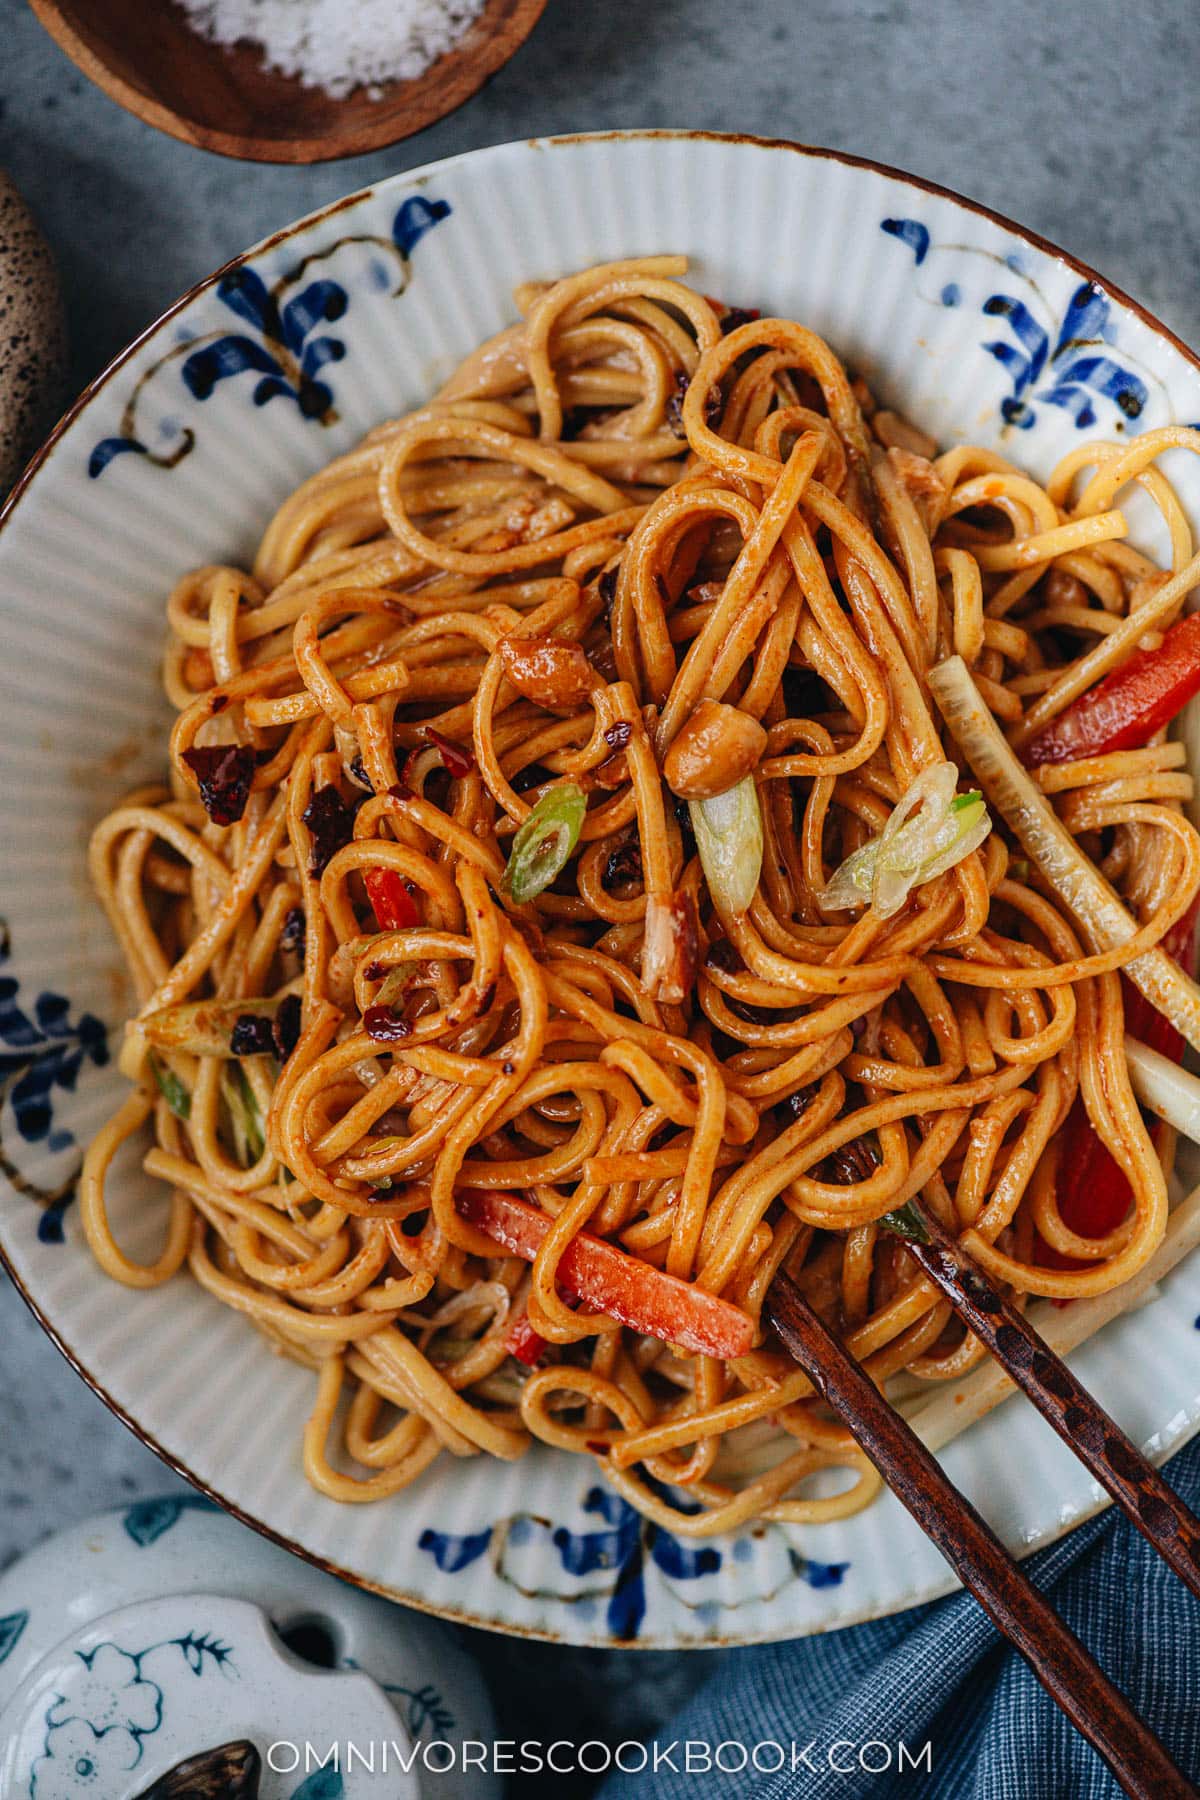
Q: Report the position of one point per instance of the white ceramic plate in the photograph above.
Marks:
(178, 456)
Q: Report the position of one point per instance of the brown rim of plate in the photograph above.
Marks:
(419, 177)
(402, 109)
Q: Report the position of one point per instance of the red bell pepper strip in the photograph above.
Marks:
(1093, 1191)
(395, 908)
(1124, 710)
(611, 1281)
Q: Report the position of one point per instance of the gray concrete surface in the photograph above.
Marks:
(1078, 120)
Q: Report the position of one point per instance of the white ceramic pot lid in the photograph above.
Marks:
(114, 1709)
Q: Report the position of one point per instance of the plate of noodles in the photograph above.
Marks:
(579, 729)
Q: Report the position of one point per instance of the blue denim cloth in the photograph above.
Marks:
(940, 1674)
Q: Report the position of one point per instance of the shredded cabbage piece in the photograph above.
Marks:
(930, 830)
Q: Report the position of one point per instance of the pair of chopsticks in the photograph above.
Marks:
(1064, 1667)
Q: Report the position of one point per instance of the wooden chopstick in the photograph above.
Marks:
(1139, 1490)
(1065, 1669)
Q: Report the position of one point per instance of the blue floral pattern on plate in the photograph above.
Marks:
(42, 1052)
(1068, 364)
(621, 1552)
(1077, 372)
(290, 350)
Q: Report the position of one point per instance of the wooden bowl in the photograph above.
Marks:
(145, 54)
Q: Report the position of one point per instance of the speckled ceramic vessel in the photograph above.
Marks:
(177, 457)
(32, 334)
(161, 1639)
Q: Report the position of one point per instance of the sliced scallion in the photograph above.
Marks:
(171, 1088)
(245, 1119)
(544, 842)
(930, 830)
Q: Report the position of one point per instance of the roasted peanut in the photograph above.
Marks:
(714, 750)
(552, 674)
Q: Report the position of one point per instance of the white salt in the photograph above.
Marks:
(339, 44)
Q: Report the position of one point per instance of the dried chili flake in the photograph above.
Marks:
(400, 790)
(458, 760)
(224, 773)
(331, 823)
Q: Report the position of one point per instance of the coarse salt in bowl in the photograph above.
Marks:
(335, 47)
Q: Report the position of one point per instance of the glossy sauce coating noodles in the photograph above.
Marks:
(383, 1041)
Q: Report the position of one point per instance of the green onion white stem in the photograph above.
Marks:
(1169, 1091)
(1050, 846)
(929, 830)
(204, 1027)
(729, 838)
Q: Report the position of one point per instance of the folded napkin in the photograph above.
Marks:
(940, 1675)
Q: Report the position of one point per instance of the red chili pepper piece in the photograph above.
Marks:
(456, 758)
(224, 773)
(1124, 710)
(611, 1281)
(1093, 1191)
(523, 1342)
(395, 908)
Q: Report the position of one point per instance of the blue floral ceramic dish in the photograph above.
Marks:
(176, 457)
